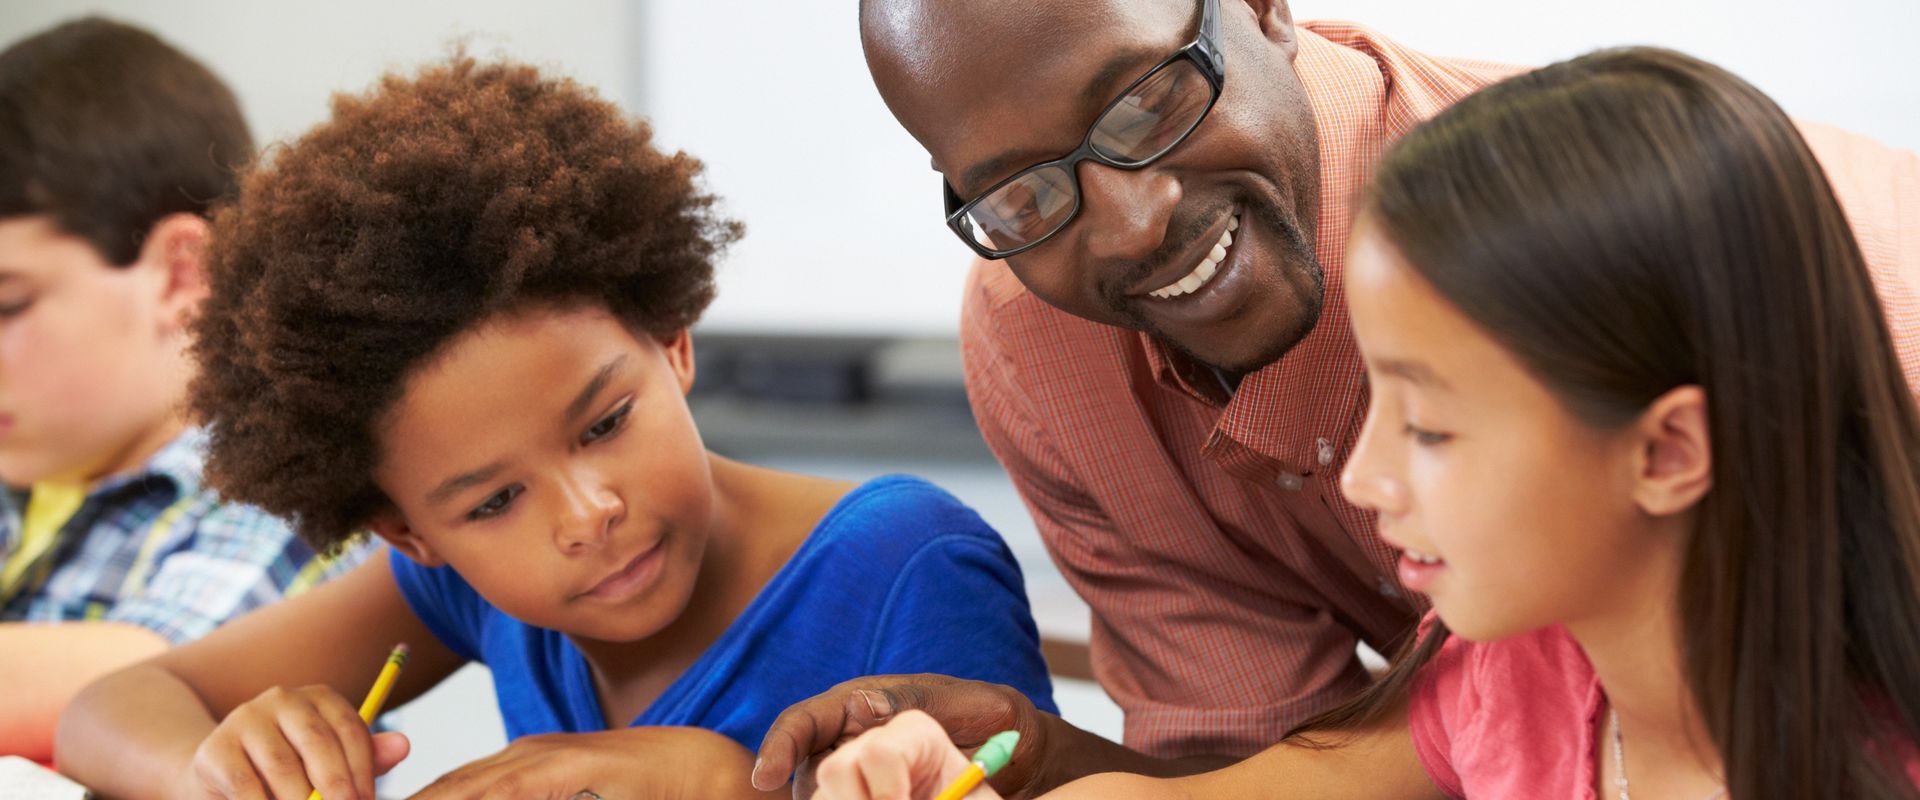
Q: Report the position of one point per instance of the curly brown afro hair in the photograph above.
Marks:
(422, 209)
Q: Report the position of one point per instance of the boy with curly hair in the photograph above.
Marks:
(112, 146)
(456, 314)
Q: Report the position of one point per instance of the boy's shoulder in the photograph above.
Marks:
(188, 507)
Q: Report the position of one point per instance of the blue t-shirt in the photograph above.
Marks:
(898, 578)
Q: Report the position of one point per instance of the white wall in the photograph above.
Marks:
(284, 58)
(775, 97)
(1851, 63)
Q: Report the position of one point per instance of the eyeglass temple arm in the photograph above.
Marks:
(1209, 38)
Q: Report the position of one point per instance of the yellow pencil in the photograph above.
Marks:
(377, 696)
(987, 760)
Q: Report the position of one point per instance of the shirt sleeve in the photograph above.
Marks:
(1439, 705)
(216, 566)
(958, 608)
(445, 602)
(1199, 664)
(1879, 189)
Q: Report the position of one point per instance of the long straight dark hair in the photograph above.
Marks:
(1635, 220)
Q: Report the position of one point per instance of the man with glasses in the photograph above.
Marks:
(1157, 348)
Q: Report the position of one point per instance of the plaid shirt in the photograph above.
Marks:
(155, 548)
(1229, 579)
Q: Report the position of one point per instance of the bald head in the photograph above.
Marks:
(993, 87)
(920, 36)
(955, 55)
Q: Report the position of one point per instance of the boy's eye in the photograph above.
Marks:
(496, 504)
(607, 425)
(14, 308)
(1427, 437)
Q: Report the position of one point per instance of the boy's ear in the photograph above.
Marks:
(678, 348)
(176, 248)
(1675, 467)
(393, 528)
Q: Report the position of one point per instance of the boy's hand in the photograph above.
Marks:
(910, 758)
(288, 742)
(648, 763)
(970, 711)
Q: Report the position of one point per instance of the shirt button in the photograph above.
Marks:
(1387, 589)
(1326, 451)
(1289, 481)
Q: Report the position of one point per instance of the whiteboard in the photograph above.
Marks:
(775, 97)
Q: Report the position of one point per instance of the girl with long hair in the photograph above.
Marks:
(1638, 425)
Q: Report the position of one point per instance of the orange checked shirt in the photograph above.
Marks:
(1229, 579)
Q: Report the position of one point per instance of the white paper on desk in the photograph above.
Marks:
(21, 779)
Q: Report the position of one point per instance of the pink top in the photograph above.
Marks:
(1515, 718)
(1228, 576)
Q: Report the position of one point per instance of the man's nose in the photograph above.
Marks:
(1125, 213)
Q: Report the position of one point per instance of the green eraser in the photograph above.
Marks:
(996, 752)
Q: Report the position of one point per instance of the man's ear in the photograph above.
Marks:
(1674, 468)
(1275, 18)
(678, 348)
(393, 528)
(176, 250)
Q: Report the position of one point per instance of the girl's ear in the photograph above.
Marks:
(678, 348)
(392, 527)
(1675, 464)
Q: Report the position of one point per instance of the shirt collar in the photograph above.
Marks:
(176, 465)
(1313, 397)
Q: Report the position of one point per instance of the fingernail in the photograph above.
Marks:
(758, 782)
(877, 704)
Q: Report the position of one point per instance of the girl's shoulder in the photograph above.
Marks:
(1518, 671)
(900, 529)
(899, 512)
(1506, 718)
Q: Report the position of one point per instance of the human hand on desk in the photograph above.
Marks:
(287, 742)
(969, 712)
(645, 763)
(909, 758)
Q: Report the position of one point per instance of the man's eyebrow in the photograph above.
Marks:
(1415, 372)
(1099, 90)
(593, 387)
(1102, 88)
(978, 174)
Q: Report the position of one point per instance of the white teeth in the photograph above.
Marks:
(1422, 558)
(1206, 269)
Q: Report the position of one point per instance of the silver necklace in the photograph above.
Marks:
(1620, 760)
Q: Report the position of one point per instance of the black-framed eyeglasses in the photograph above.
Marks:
(1154, 115)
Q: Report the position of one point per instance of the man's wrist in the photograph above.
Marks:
(1072, 753)
(1064, 755)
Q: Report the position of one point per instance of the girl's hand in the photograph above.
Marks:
(909, 758)
(648, 763)
(288, 742)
